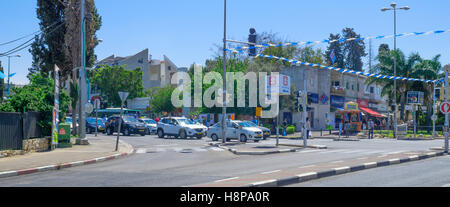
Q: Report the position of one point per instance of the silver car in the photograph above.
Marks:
(150, 124)
(235, 130)
(266, 131)
(180, 127)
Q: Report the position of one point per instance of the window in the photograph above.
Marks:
(348, 85)
(353, 87)
(371, 89)
(170, 68)
(336, 83)
(357, 87)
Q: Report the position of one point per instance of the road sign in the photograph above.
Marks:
(89, 108)
(97, 103)
(259, 111)
(414, 97)
(445, 107)
(123, 96)
(434, 118)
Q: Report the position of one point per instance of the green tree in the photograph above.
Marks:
(353, 50)
(383, 48)
(405, 68)
(38, 96)
(161, 100)
(112, 79)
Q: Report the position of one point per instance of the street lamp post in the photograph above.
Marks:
(394, 8)
(9, 60)
(224, 107)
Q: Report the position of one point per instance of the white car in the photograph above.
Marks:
(150, 124)
(235, 130)
(180, 127)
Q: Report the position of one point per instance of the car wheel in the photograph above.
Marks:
(243, 138)
(256, 140)
(182, 134)
(143, 134)
(199, 137)
(160, 133)
(126, 132)
(88, 130)
(214, 137)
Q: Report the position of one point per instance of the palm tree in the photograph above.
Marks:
(405, 68)
(428, 69)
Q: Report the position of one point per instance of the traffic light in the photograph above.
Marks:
(252, 39)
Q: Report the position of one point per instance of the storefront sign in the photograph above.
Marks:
(313, 98)
(363, 103)
(351, 106)
(337, 101)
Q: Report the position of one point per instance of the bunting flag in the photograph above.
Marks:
(244, 48)
(343, 70)
(11, 75)
(2, 76)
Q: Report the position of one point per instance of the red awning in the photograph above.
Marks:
(371, 112)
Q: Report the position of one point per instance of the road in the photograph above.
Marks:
(425, 173)
(175, 162)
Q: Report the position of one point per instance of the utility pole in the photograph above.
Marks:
(82, 79)
(446, 68)
(224, 106)
(434, 109)
(305, 107)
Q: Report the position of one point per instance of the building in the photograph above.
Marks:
(318, 88)
(156, 73)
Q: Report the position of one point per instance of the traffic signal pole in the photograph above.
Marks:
(446, 115)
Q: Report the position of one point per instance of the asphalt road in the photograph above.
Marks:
(432, 172)
(175, 162)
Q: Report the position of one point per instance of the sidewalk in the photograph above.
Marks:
(315, 134)
(99, 149)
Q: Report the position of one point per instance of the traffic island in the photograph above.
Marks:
(245, 149)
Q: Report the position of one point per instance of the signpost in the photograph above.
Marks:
(96, 106)
(415, 98)
(446, 68)
(123, 97)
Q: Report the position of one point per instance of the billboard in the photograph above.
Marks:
(278, 84)
(414, 97)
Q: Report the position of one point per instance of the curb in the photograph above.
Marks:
(66, 165)
(345, 139)
(236, 152)
(338, 171)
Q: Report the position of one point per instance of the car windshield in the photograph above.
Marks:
(185, 121)
(92, 121)
(68, 120)
(251, 123)
(129, 119)
(150, 121)
(245, 124)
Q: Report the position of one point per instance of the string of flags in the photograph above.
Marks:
(342, 70)
(241, 49)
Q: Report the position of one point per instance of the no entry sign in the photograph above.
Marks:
(445, 107)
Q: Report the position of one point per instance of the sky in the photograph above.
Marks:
(187, 31)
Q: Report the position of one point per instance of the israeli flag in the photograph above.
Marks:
(332, 57)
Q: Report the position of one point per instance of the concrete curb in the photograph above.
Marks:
(338, 171)
(236, 152)
(345, 139)
(66, 165)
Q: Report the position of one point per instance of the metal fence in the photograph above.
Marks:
(15, 127)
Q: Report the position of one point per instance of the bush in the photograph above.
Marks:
(290, 130)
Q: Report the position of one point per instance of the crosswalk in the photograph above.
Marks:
(351, 151)
(177, 149)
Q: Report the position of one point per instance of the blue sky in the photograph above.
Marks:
(186, 31)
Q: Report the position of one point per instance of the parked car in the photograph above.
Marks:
(90, 125)
(240, 130)
(130, 125)
(266, 131)
(150, 124)
(180, 127)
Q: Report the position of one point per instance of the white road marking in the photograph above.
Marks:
(177, 149)
(446, 185)
(307, 166)
(199, 149)
(160, 149)
(273, 171)
(396, 152)
(141, 150)
(353, 151)
(306, 151)
(332, 151)
(226, 179)
(362, 158)
(216, 149)
(339, 161)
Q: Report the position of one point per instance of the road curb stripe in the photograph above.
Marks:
(336, 171)
(66, 165)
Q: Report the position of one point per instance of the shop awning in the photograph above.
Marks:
(371, 112)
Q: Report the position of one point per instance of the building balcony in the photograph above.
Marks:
(337, 91)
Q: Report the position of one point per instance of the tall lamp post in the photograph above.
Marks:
(9, 60)
(224, 106)
(394, 8)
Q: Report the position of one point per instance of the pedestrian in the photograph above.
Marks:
(285, 125)
(341, 126)
(347, 129)
(370, 126)
(308, 128)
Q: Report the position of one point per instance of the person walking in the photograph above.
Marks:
(347, 129)
(285, 123)
(308, 128)
(370, 125)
